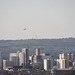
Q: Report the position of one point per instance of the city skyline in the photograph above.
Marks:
(27, 19)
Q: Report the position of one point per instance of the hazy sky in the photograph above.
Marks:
(42, 18)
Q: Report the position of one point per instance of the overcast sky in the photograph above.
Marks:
(42, 18)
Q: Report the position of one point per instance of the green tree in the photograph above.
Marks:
(28, 66)
(38, 67)
(70, 73)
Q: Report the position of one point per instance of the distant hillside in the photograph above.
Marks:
(52, 46)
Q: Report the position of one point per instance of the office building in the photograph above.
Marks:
(37, 52)
(14, 57)
(26, 55)
(21, 59)
(7, 63)
(48, 64)
(68, 56)
(63, 56)
(71, 56)
(38, 58)
(73, 64)
(31, 58)
(62, 63)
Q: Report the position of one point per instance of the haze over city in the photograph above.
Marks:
(40, 19)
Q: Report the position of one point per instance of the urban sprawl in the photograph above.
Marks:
(20, 63)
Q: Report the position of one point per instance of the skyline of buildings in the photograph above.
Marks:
(23, 58)
(65, 61)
